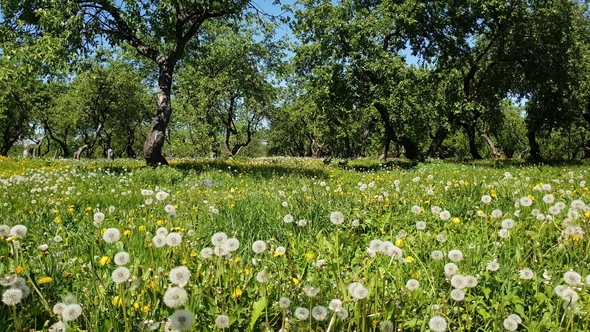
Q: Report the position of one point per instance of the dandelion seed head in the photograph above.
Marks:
(175, 297)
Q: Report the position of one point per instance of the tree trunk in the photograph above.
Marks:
(437, 141)
(79, 152)
(386, 145)
(470, 130)
(154, 142)
(63, 144)
(535, 151)
(411, 149)
(495, 151)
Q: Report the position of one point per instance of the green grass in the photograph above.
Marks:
(249, 199)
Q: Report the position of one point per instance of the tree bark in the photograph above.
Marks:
(437, 141)
(535, 151)
(470, 131)
(154, 142)
(495, 151)
(411, 149)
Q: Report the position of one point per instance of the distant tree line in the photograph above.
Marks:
(466, 79)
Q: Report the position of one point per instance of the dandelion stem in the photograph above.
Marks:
(15, 319)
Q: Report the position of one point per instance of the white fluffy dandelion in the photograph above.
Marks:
(437, 324)
(98, 218)
(319, 313)
(486, 199)
(222, 321)
(259, 246)
(175, 297)
(159, 241)
(71, 312)
(284, 302)
(445, 215)
(288, 218)
(412, 284)
(507, 223)
(121, 258)
(337, 218)
(450, 269)
(457, 294)
(182, 320)
(572, 278)
(526, 274)
(526, 201)
(111, 235)
(437, 255)
(161, 195)
(180, 275)
(301, 313)
(12, 296)
(420, 225)
(173, 239)
(18, 231)
(455, 255)
(121, 275)
(218, 239)
(206, 252)
(231, 244)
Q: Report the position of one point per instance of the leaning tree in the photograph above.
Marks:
(158, 30)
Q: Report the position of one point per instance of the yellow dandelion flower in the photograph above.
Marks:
(160, 222)
(415, 275)
(127, 232)
(193, 254)
(399, 242)
(89, 208)
(145, 308)
(236, 293)
(309, 255)
(456, 220)
(141, 228)
(410, 259)
(45, 280)
(105, 260)
(19, 270)
(117, 301)
(295, 281)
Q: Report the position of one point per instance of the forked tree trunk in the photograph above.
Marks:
(437, 141)
(411, 149)
(154, 142)
(470, 131)
(535, 149)
(495, 151)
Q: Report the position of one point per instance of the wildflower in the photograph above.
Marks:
(471, 281)
(104, 260)
(284, 303)
(120, 275)
(206, 253)
(301, 313)
(111, 235)
(4, 230)
(45, 280)
(179, 275)
(416, 209)
(437, 255)
(457, 294)
(182, 320)
(58, 327)
(572, 278)
(455, 255)
(69, 299)
(442, 238)
(18, 231)
(236, 293)
(319, 313)
(450, 269)
(280, 251)
(222, 321)
(358, 291)
(231, 245)
(285, 204)
(497, 214)
(259, 246)
(526, 274)
(577, 204)
(121, 258)
(486, 199)
(437, 324)
(504, 233)
(175, 297)
(8, 280)
(162, 231)
(445, 215)
(458, 281)
(12, 296)
(526, 201)
(510, 324)
(507, 223)
(159, 241)
(420, 225)
(569, 295)
(302, 223)
(288, 218)
(98, 218)
(311, 291)
(336, 218)
(71, 312)
(412, 284)
(173, 239)
(161, 195)
(262, 277)
(59, 308)
(218, 239)
(355, 223)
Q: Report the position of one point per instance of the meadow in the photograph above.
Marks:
(284, 244)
